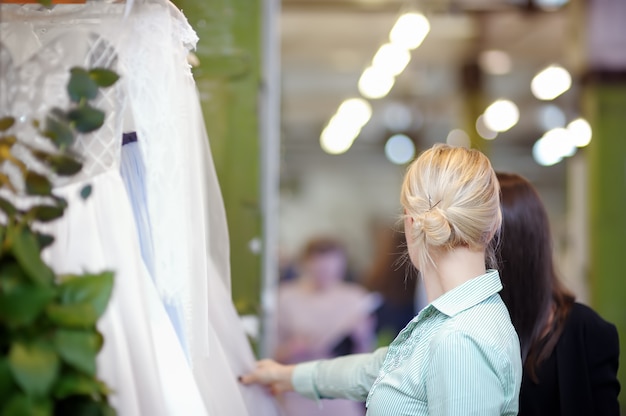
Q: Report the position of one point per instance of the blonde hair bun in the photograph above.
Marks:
(436, 227)
(453, 197)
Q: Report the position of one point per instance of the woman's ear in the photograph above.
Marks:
(407, 216)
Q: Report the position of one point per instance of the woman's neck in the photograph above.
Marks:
(453, 268)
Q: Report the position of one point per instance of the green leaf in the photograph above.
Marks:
(8, 140)
(18, 405)
(92, 289)
(40, 154)
(11, 276)
(42, 408)
(86, 119)
(5, 181)
(78, 315)
(21, 405)
(103, 77)
(85, 192)
(64, 165)
(81, 85)
(23, 304)
(58, 113)
(25, 248)
(7, 386)
(6, 123)
(45, 213)
(107, 410)
(73, 383)
(37, 184)
(62, 202)
(11, 271)
(7, 207)
(78, 349)
(35, 367)
(59, 132)
(44, 240)
(100, 339)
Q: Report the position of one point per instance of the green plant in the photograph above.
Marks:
(48, 335)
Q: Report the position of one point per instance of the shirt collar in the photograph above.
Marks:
(468, 294)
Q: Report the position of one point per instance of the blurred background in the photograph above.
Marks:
(474, 53)
(315, 107)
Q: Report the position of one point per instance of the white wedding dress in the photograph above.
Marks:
(142, 359)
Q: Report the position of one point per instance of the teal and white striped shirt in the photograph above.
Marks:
(459, 356)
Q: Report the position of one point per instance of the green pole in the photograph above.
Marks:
(606, 104)
(228, 79)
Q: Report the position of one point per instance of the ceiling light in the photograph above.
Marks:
(550, 5)
(553, 146)
(399, 149)
(355, 110)
(391, 59)
(338, 136)
(458, 137)
(410, 30)
(580, 132)
(484, 131)
(551, 82)
(375, 83)
(501, 115)
(544, 155)
(561, 140)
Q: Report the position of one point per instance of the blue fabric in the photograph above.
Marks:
(133, 173)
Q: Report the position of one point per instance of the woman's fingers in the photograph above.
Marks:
(249, 378)
(264, 373)
(271, 374)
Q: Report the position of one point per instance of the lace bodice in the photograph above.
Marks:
(36, 56)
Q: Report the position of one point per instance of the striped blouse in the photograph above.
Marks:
(459, 356)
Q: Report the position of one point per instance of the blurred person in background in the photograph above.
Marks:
(570, 353)
(320, 315)
(392, 277)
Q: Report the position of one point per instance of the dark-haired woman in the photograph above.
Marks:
(570, 353)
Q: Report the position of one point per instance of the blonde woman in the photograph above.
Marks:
(460, 355)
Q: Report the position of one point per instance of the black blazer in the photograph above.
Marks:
(580, 377)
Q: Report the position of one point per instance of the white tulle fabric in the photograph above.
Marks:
(142, 359)
(190, 234)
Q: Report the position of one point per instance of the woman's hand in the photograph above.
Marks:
(277, 377)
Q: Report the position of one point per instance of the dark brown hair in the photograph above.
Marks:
(322, 245)
(391, 270)
(537, 301)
